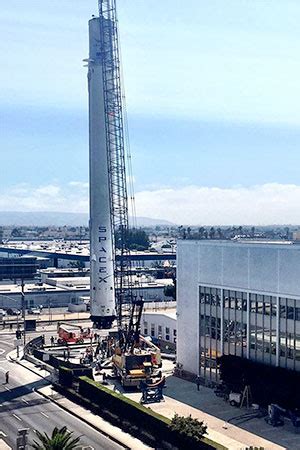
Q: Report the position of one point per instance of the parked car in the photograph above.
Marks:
(34, 311)
(13, 312)
(2, 312)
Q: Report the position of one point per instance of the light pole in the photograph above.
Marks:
(23, 309)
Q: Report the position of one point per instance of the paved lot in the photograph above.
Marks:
(182, 396)
(227, 425)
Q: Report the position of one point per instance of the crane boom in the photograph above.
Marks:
(112, 89)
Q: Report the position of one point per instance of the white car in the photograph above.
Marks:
(2, 312)
(34, 311)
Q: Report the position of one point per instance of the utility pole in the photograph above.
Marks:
(23, 309)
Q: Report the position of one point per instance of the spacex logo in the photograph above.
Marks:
(102, 259)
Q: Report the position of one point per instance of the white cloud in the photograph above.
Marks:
(51, 197)
(79, 184)
(263, 204)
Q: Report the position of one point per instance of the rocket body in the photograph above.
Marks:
(101, 233)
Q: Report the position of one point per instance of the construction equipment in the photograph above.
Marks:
(136, 359)
(276, 415)
(152, 392)
(72, 334)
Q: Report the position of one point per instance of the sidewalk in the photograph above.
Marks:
(3, 445)
(219, 430)
(94, 420)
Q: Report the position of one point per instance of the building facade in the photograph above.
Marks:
(18, 268)
(237, 298)
(160, 326)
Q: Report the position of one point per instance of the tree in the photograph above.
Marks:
(77, 265)
(170, 290)
(201, 232)
(212, 233)
(137, 239)
(16, 232)
(61, 439)
(190, 428)
(220, 233)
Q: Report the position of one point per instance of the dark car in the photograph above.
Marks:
(13, 312)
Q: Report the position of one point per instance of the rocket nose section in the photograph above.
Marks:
(94, 39)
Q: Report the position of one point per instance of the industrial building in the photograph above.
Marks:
(23, 267)
(160, 324)
(64, 253)
(237, 298)
(65, 288)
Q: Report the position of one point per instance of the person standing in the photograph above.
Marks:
(198, 382)
(7, 377)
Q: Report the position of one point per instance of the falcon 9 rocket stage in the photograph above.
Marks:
(101, 227)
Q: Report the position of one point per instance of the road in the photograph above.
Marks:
(21, 407)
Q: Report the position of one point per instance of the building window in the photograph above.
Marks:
(260, 333)
(175, 333)
(160, 329)
(152, 330)
(146, 328)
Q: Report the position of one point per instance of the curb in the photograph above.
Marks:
(112, 438)
(31, 370)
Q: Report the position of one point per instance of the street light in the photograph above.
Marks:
(23, 308)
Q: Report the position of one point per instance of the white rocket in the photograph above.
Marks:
(101, 238)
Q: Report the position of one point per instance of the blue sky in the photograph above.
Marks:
(213, 103)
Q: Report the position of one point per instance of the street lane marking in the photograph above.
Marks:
(7, 343)
(45, 415)
(25, 401)
(7, 388)
(17, 417)
(3, 434)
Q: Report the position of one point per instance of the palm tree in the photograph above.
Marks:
(220, 233)
(61, 439)
(212, 233)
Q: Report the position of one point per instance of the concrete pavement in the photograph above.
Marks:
(182, 397)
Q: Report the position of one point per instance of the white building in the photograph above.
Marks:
(160, 325)
(239, 298)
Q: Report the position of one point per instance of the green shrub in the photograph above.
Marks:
(143, 422)
(188, 427)
(65, 376)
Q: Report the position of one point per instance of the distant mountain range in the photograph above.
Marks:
(60, 219)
